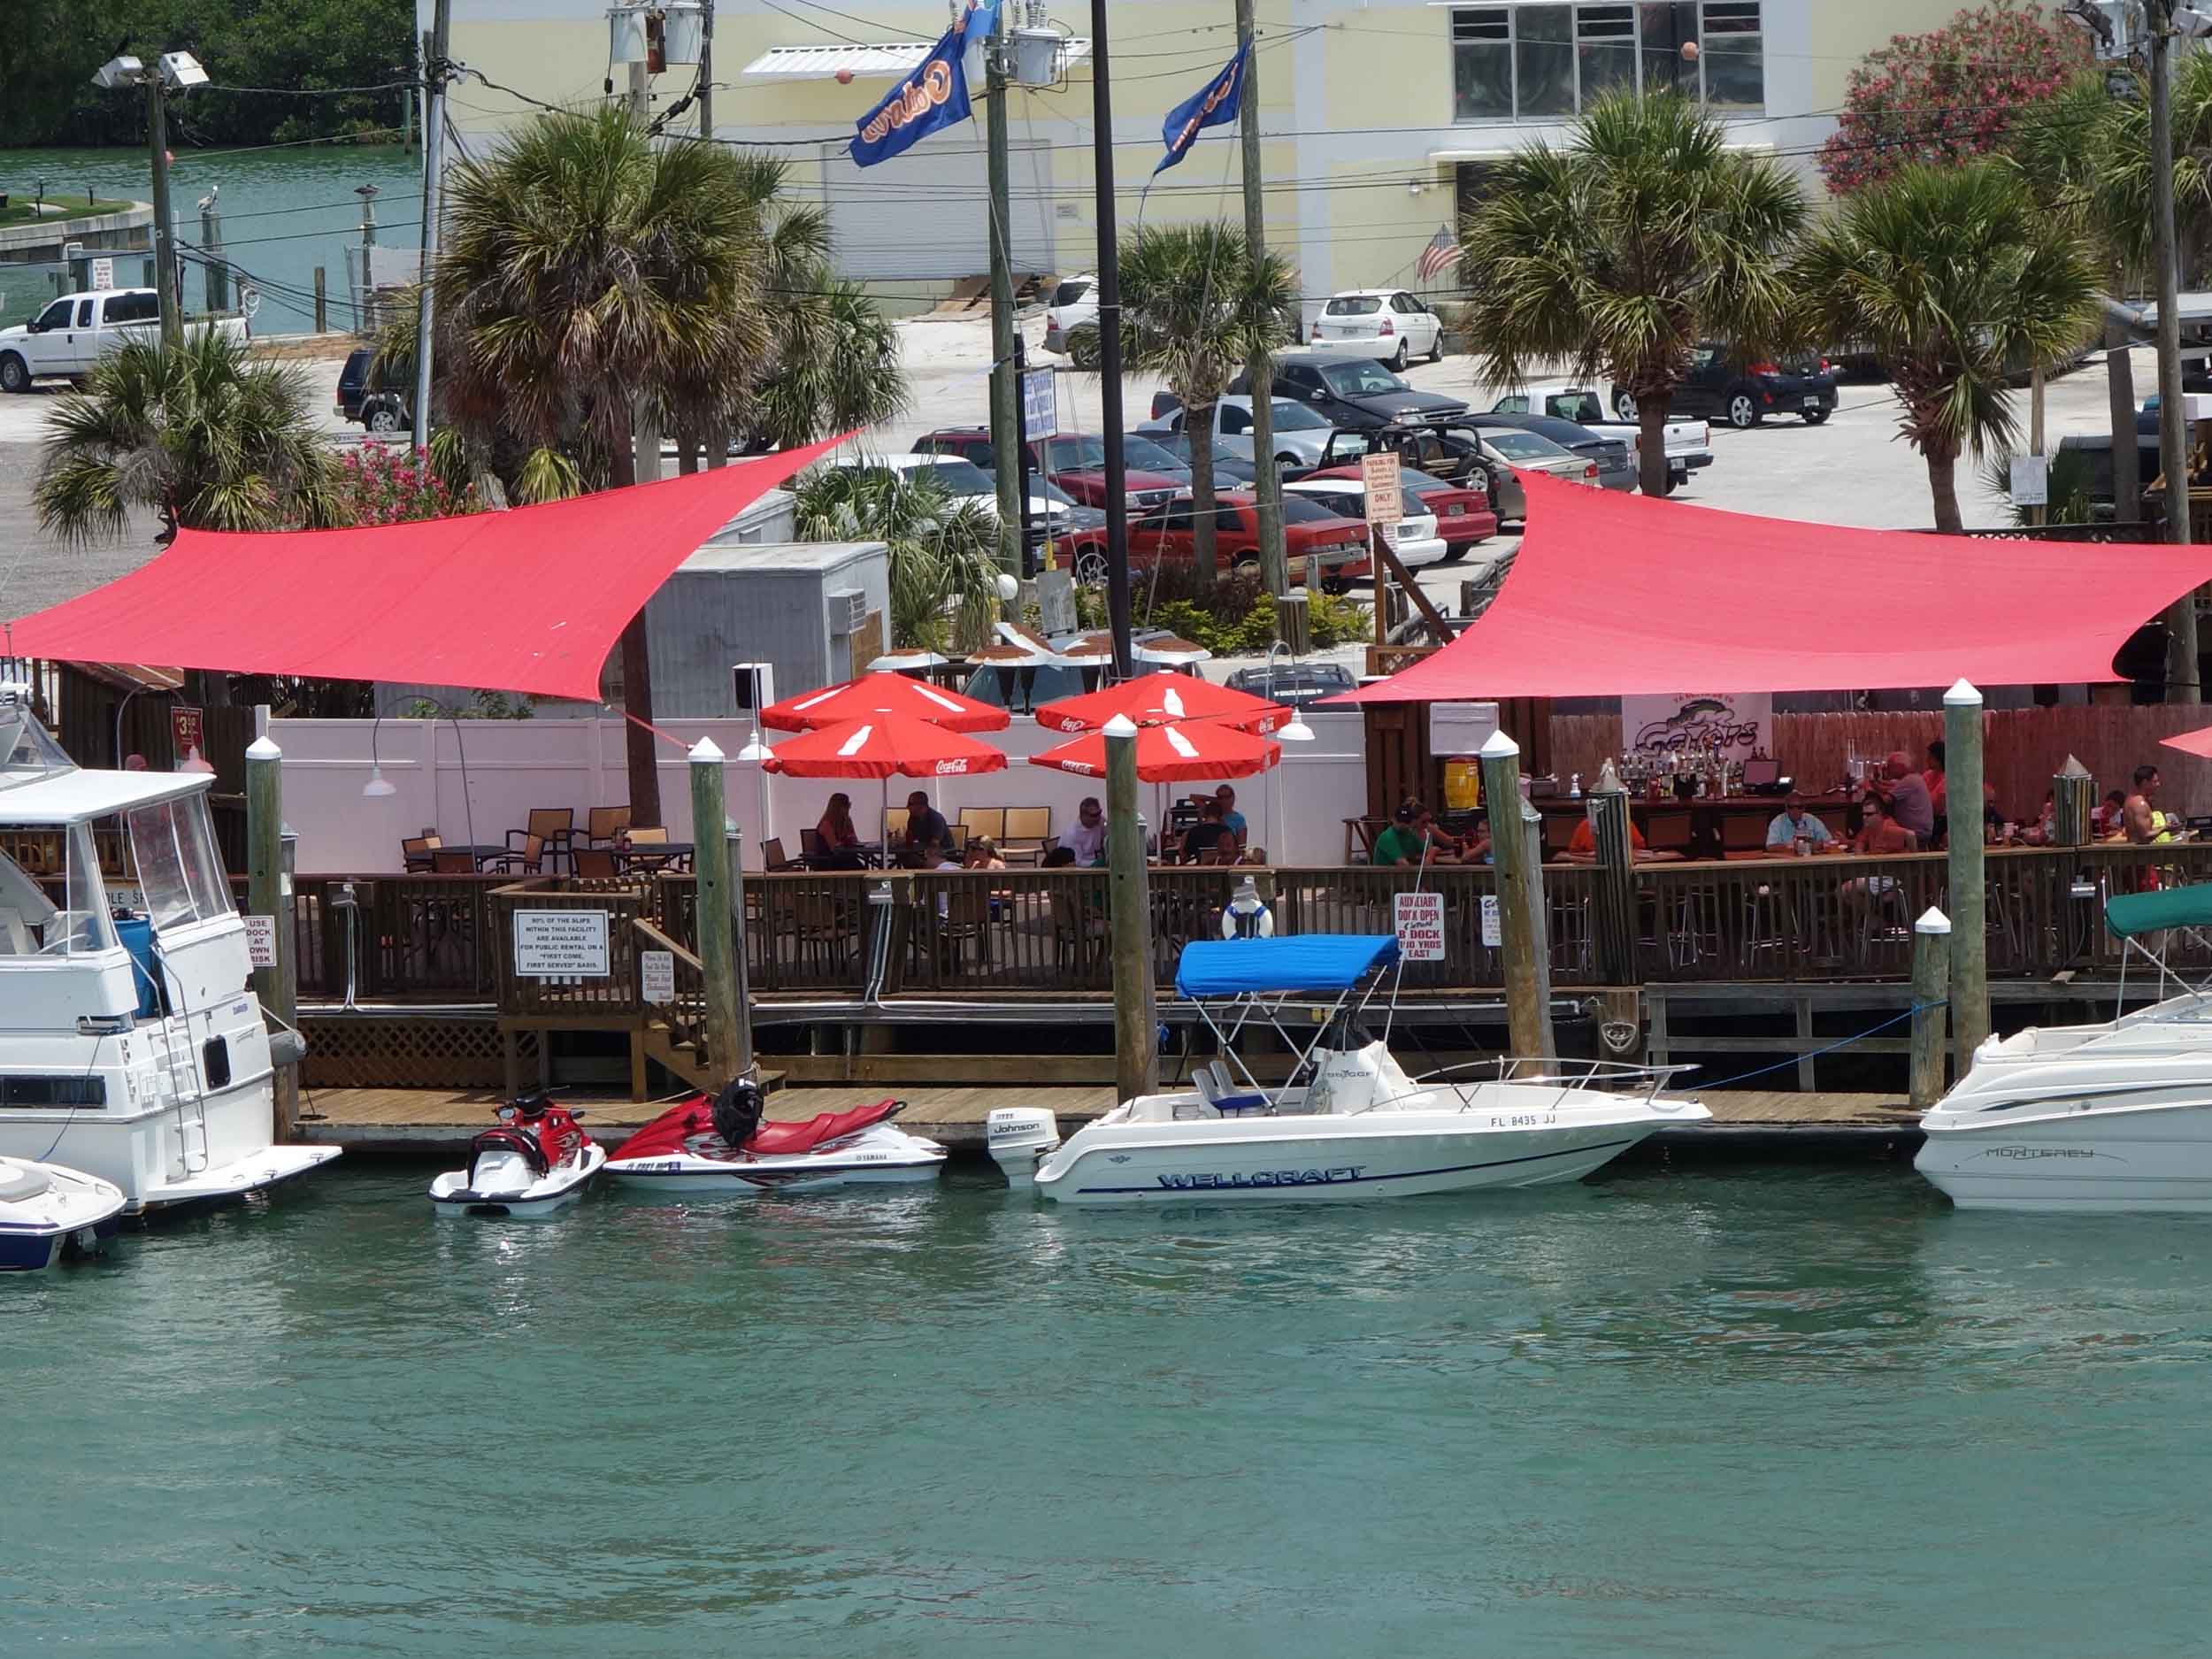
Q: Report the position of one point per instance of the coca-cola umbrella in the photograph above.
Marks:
(1161, 699)
(885, 746)
(1188, 751)
(875, 697)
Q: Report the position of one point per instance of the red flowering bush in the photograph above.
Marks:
(379, 483)
(1950, 94)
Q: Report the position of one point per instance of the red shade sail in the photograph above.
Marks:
(1617, 594)
(885, 746)
(873, 696)
(530, 600)
(1158, 699)
(2198, 742)
(1189, 752)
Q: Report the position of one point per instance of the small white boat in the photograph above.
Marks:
(1359, 1127)
(46, 1211)
(538, 1161)
(2107, 1116)
(702, 1149)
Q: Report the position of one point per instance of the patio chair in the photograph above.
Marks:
(1078, 935)
(823, 927)
(652, 835)
(1028, 832)
(813, 853)
(553, 830)
(894, 825)
(772, 855)
(967, 919)
(527, 859)
(417, 853)
(459, 861)
(594, 864)
(604, 826)
(984, 820)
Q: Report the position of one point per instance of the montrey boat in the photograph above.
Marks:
(131, 1046)
(1351, 1123)
(46, 1211)
(2111, 1116)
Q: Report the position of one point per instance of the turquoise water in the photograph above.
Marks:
(1755, 1411)
(285, 211)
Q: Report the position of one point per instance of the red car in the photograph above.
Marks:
(1150, 474)
(1166, 532)
(1463, 515)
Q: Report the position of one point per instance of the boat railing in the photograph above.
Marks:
(1612, 1077)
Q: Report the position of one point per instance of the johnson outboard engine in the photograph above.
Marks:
(737, 1113)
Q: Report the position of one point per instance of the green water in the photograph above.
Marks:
(1758, 1411)
(284, 211)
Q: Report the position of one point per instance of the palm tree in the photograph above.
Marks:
(1195, 309)
(1622, 251)
(1955, 280)
(944, 558)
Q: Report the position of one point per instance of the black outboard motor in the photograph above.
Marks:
(737, 1112)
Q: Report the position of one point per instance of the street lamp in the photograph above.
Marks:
(173, 74)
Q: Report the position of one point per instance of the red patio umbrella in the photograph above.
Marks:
(872, 696)
(884, 746)
(1160, 699)
(1183, 752)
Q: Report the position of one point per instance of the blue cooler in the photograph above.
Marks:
(137, 934)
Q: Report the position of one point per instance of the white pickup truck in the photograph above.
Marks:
(1689, 442)
(71, 333)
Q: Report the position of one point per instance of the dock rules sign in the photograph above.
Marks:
(1421, 927)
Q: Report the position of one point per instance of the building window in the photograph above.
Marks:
(1536, 62)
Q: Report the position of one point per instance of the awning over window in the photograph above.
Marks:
(1620, 594)
(531, 600)
(884, 60)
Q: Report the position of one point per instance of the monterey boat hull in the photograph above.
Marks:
(506, 1188)
(46, 1211)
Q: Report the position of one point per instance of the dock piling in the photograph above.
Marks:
(1930, 986)
(1520, 901)
(1136, 1025)
(1613, 907)
(267, 885)
(1969, 898)
(718, 924)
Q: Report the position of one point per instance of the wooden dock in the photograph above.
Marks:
(412, 1122)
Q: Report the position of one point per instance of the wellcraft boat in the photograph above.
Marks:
(2110, 1116)
(131, 1046)
(1351, 1123)
(46, 1211)
(704, 1148)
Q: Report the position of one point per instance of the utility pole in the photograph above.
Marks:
(168, 296)
(645, 424)
(216, 275)
(1117, 611)
(706, 69)
(434, 71)
(2173, 431)
(1260, 370)
(1005, 391)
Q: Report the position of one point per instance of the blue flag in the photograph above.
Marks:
(935, 95)
(1218, 101)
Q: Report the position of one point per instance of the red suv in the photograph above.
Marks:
(1076, 463)
(1167, 531)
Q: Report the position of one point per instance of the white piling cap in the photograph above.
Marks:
(1961, 695)
(1120, 725)
(1608, 780)
(262, 749)
(1932, 921)
(1501, 747)
(2073, 769)
(704, 749)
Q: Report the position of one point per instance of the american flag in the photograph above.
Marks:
(1440, 255)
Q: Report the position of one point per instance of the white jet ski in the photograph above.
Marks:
(46, 1211)
(539, 1160)
(703, 1147)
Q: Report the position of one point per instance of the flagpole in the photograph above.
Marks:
(1118, 606)
(1260, 369)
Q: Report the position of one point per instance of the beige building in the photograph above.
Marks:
(1379, 116)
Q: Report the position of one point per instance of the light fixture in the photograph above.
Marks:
(119, 71)
(377, 786)
(193, 761)
(1297, 730)
(181, 72)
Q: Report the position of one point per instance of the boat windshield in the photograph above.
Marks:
(31, 923)
(179, 873)
(27, 753)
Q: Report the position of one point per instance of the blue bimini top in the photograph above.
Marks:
(1310, 962)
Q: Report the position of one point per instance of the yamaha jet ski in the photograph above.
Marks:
(46, 1211)
(721, 1146)
(537, 1161)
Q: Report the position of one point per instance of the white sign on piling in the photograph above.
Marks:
(1492, 931)
(561, 944)
(2031, 481)
(1420, 918)
(1041, 408)
(261, 941)
(656, 977)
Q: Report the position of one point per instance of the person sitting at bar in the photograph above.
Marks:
(1205, 835)
(2144, 824)
(1253, 856)
(1060, 857)
(983, 855)
(1879, 836)
(841, 841)
(1582, 846)
(1229, 816)
(1412, 838)
(1933, 777)
(1904, 796)
(1793, 824)
(2104, 823)
(1088, 839)
(928, 837)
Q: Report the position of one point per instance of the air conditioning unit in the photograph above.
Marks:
(754, 684)
(847, 610)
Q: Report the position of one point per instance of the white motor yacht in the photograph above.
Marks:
(2111, 1116)
(1355, 1126)
(131, 1046)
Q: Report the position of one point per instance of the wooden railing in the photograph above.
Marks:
(418, 938)
(615, 996)
(686, 1015)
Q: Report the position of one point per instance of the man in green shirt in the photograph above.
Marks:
(1410, 831)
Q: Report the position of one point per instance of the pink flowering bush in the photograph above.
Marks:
(1950, 94)
(381, 483)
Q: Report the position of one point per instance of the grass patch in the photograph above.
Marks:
(19, 212)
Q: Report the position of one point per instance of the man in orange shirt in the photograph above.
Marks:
(1582, 846)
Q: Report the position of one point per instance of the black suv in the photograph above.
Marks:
(1354, 394)
(378, 403)
(1720, 386)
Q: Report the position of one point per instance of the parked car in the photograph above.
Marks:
(1463, 518)
(1295, 685)
(1074, 303)
(1416, 541)
(1475, 457)
(1387, 323)
(965, 484)
(72, 332)
(1617, 462)
(1300, 432)
(1720, 386)
(1167, 533)
(385, 412)
(1689, 442)
(1233, 457)
(1353, 392)
(1077, 463)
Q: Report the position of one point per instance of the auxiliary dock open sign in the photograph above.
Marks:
(1421, 927)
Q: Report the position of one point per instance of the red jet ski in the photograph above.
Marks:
(721, 1145)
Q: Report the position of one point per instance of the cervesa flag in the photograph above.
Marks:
(933, 97)
(1217, 101)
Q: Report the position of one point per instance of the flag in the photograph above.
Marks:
(933, 97)
(1217, 101)
(1439, 255)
